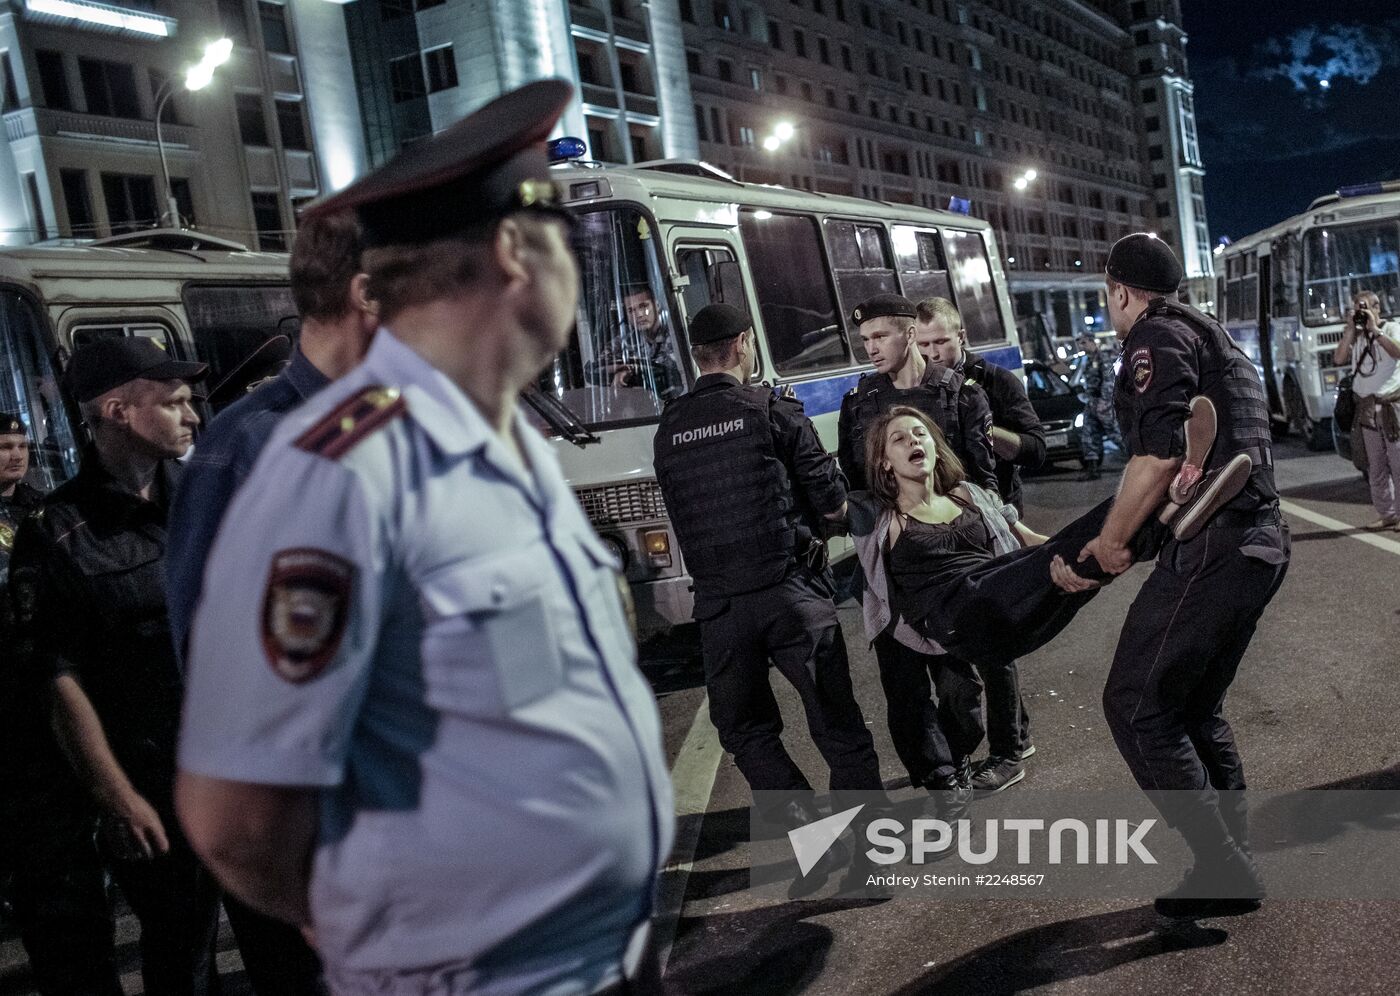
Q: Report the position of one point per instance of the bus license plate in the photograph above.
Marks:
(1057, 439)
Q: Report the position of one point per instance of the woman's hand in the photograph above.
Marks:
(1066, 580)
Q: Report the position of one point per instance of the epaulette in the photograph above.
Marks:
(351, 421)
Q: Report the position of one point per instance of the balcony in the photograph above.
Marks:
(45, 122)
(625, 27)
(598, 96)
(110, 19)
(301, 173)
(638, 103)
(583, 16)
(282, 70)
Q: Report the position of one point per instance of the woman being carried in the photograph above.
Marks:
(947, 563)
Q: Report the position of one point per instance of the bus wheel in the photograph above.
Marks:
(1316, 433)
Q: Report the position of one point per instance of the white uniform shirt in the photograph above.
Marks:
(494, 792)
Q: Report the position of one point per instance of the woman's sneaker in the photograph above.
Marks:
(1200, 440)
(1216, 490)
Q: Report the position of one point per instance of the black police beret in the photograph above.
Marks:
(98, 367)
(486, 166)
(881, 306)
(10, 424)
(717, 322)
(1144, 261)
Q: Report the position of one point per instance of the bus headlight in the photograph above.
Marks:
(1079, 421)
(1329, 380)
(657, 544)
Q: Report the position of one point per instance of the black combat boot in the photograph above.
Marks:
(1223, 881)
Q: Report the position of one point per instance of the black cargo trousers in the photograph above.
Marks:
(793, 625)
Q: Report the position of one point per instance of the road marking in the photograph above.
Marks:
(1338, 526)
(693, 778)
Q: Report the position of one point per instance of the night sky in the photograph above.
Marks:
(1272, 136)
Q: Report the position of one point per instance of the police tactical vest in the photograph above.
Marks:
(1229, 379)
(727, 491)
(936, 396)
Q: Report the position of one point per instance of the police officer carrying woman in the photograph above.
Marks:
(1191, 623)
(748, 484)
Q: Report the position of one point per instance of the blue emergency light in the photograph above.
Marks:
(566, 149)
(961, 205)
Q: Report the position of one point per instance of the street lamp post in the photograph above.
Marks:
(197, 77)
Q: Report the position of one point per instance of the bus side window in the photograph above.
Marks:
(29, 387)
(715, 278)
(976, 296)
(794, 293)
(1284, 278)
(922, 268)
(860, 257)
(231, 326)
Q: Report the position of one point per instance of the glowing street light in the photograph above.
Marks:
(784, 131)
(197, 77)
(1030, 175)
(771, 143)
(1020, 183)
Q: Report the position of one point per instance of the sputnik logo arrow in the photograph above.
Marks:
(809, 843)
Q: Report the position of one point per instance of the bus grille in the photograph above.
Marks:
(620, 504)
(1328, 338)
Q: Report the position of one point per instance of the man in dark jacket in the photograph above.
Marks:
(90, 572)
(1018, 439)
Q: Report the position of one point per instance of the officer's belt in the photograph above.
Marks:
(1230, 518)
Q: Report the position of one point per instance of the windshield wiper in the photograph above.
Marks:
(561, 417)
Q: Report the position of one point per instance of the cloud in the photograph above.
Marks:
(1314, 54)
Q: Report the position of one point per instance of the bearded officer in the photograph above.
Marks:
(1191, 623)
(747, 483)
(425, 736)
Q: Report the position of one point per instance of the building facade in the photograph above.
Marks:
(925, 101)
(83, 82)
(420, 65)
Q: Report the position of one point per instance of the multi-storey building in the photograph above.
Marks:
(83, 82)
(927, 101)
(422, 64)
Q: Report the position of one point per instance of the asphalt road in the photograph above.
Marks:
(1313, 706)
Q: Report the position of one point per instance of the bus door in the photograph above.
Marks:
(1268, 304)
(706, 271)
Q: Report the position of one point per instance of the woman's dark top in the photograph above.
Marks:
(928, 557)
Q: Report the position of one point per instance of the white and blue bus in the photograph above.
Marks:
(676, 236)
(1287, 291)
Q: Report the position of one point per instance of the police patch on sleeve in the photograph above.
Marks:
(305, 609)
(1141, 365)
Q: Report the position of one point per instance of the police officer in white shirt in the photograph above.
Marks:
(415, 725)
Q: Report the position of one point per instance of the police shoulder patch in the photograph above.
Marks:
(1141, 365)
(305, 610)
(352, 421)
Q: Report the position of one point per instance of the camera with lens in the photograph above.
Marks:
(1358, 318)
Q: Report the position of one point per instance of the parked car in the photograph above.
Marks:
(1060, 408)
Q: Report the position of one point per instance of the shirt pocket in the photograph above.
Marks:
(489, 642)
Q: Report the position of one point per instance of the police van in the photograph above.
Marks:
(1287, 293)
(656, 243)
(198, 297)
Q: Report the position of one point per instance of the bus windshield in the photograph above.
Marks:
(1341, 260)
(622, 363)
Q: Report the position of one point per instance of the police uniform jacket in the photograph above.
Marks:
(14, 510)
(1011, 410)
(1172, 354)
(400, 613)
(875, 393)
(90, 586)
(746, 481)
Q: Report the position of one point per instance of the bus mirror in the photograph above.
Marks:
(726, 284)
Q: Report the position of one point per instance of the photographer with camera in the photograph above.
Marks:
(1372, 346)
